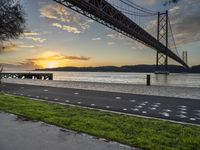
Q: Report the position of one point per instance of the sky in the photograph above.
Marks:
(56, 36)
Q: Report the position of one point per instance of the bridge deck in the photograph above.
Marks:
(104, 13)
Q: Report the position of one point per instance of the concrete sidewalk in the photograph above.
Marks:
(20, 134)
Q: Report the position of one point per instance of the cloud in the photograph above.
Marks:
(11, 47)
(26, 65)
(58, 57)
(31, 33)
(185, 22)
(110, 43)
(66, 17)
(43, 61)
(67, 28)
(96, 39)
(116, 36)
(36, 39)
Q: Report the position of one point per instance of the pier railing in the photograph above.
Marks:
(39, 76)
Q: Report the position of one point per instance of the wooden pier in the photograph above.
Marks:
(34, 76)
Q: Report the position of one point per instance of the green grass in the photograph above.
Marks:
(134, 131)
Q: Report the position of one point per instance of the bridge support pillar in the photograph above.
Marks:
(162, 36)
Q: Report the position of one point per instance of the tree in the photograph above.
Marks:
(12, 23)
(12, 19)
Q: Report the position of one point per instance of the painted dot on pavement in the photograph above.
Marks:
(183, 109)
(117, 97)
(144, 112)
(124, 109)
(146, 102)
(167, 110)
(192, 119)
(45, 90)
(181, 116)
(143, 104)
(76, 93)
(165, 114)
(107, 107)
(183, 106)
(67, 101)
(155, 105)
(135, 109)
(182, 112)
(139, 106)
(79, 102)
(132, 101)
(152, 108)
(56, 99)
(92, 104)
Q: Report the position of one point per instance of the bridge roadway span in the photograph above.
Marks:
(106, 14)
(173, 109)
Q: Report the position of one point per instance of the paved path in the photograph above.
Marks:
(175, 109)
(21, 134)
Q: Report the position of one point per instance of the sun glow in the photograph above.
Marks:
(50, 60)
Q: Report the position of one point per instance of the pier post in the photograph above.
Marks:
(148, 80)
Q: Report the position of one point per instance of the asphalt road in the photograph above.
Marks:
(174, 109)
(17, 133)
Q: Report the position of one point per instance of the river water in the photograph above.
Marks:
(181, 80)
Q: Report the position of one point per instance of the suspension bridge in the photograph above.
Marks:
(125, 17)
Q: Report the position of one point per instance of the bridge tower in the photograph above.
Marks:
(162, 36)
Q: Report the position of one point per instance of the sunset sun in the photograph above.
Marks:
(52, 64)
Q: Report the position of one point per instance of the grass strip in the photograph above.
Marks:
(138, 132)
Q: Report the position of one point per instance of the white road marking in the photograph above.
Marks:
(92, 104)
(135, 109)
(117, 97)
(182, 112)
(139, 106)
(183, 109)
(107, 107)
(165, 114)
(146, 102)
(56, 99)
(181, 116)
(143, 104)
(144, 112)
(183, 106)
(192, 119)
(155, 105)
(67, 101)
(79, 102)
(45, 90)
(167, 110)
(132, 101)
(21, 94)
(152, 108)
(124, 109)
(76, 93)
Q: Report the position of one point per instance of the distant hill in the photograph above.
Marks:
(136, 68)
